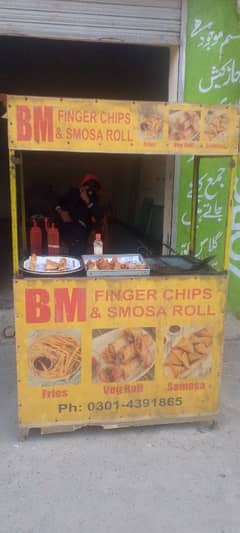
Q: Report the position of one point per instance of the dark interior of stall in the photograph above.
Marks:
(132, 187)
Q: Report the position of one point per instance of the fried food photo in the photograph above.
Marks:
(184, 125)
(186, 356)
(216, 125)
(151, 125)
(129, 356)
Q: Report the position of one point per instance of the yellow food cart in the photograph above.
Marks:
(117, 351)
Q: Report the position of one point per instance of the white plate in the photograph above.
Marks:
(72, 265)
(101, 342)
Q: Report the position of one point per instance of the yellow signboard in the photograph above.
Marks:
(107, 352)
(121, 126)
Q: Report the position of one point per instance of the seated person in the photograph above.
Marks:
(79, 213)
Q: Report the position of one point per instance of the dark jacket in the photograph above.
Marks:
(80, 212)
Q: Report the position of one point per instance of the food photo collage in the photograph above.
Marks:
(119, 355)
(183, 125)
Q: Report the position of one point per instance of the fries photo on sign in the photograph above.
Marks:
(54, 357)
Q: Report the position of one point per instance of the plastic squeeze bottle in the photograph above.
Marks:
(53, 240)
(98, 245)
(35, 239)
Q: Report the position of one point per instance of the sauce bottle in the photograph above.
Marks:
(35, 239)
(98, 245)
(53, 240)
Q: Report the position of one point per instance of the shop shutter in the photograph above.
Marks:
(154, 22)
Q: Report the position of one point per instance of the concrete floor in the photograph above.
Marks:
(178, 479)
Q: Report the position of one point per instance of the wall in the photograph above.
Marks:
(212, 76)
(62, 170)
(152, 174)
(84, 70)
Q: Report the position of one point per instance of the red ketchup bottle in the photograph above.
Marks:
(35, 239)
(53, 240)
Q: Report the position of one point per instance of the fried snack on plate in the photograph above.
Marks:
(127, 353)
(130, 266)
(172, 358)
(110, 353)
(51, 265)
(115, 264)
(184, 125)
(204, 332)
(173, 371)
(100, 263)
(216, 125)
(189, 352)
(205, 340)
(146, 359)
(33, 262)
(103, 264)
(183, 359)
(110, 373)
(185, 344)
(151, 125)
(95, 364)
(135, 335)
(143, 342)
(194, 356)
(201, 348)
(62, 265)
(91, 265)
(128, 369)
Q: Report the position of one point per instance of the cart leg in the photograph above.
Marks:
(233, 167)
(14, 216)
(23, 433)
(196, 164)
(209, 425)
(23, 207)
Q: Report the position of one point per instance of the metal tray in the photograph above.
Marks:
(137, 259)
(178, 262)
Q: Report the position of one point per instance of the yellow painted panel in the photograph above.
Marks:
(110, 126)
(108, 351)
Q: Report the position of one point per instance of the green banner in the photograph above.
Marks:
(212, 77)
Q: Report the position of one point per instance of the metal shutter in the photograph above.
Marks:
(155, 22)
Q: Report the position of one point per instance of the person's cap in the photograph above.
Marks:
(89, 177)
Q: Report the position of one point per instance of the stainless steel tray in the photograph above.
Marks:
(178, 262)
(137, 259)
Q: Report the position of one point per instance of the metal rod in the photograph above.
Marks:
(229, 212)
(196, 164)
(23, 207)
(14, 218)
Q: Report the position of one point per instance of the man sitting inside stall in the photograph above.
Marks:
(80, 215)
